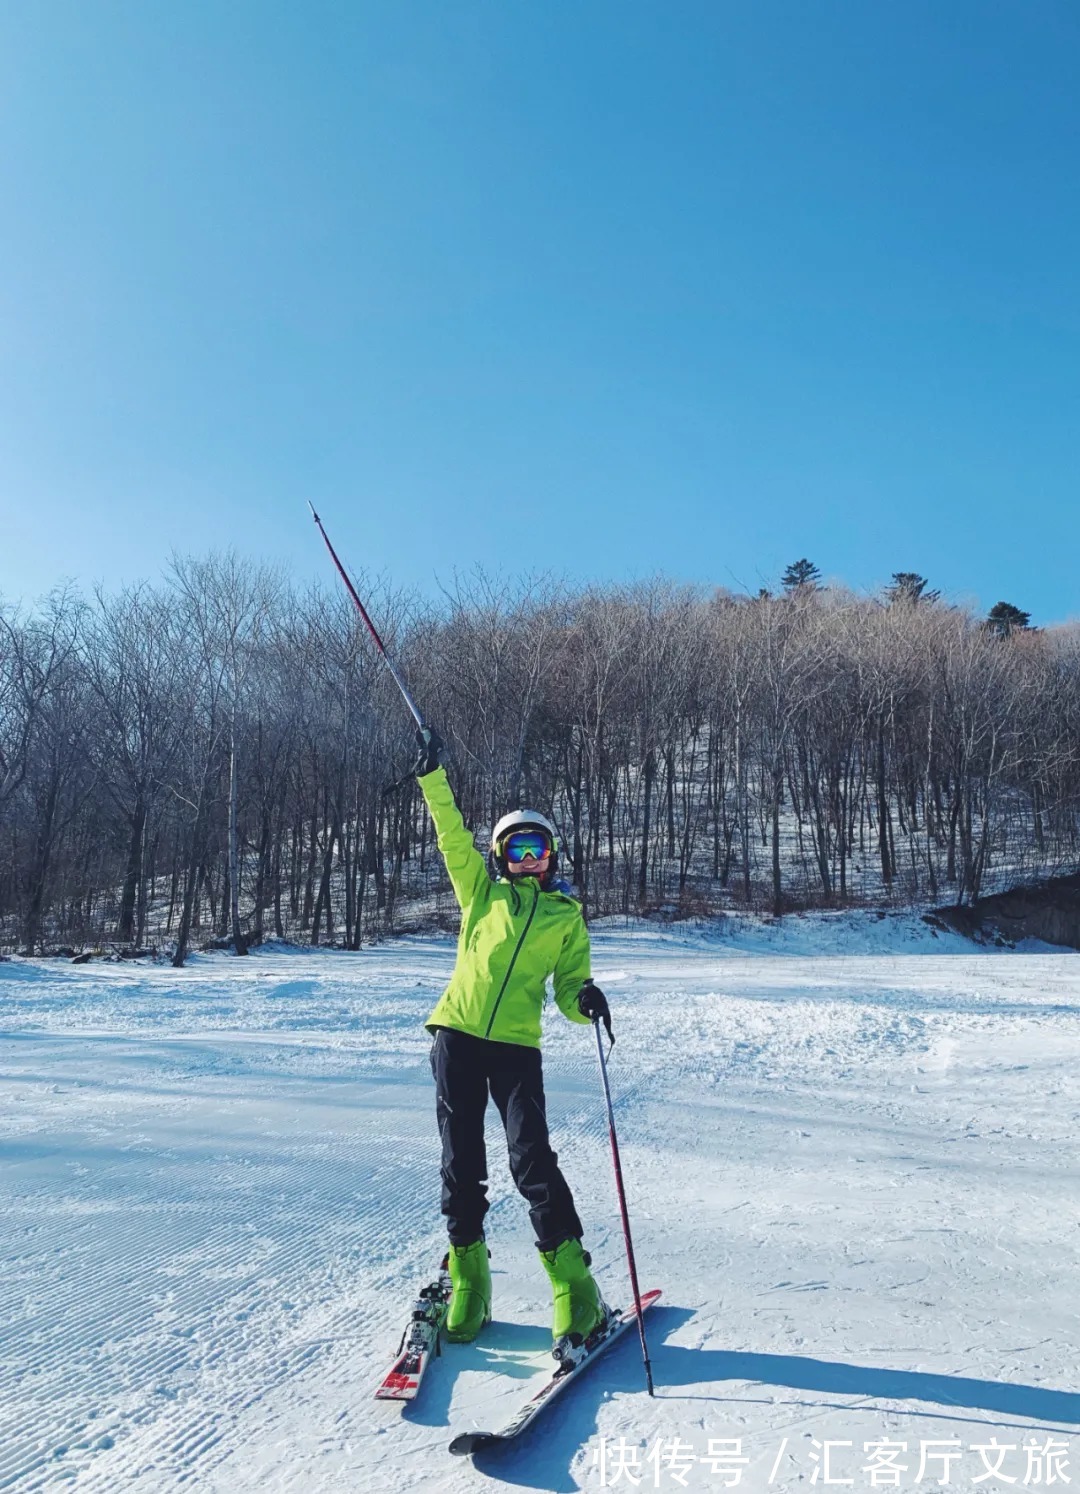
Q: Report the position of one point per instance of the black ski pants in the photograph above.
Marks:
(467, 1069)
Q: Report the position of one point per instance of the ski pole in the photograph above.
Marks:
(622, 1204)
(379, 644)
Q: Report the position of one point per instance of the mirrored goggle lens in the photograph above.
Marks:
(525, 843)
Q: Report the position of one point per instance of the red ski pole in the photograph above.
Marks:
(379, 644)
(622, 1205)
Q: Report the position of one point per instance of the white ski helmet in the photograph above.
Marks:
(522, 819)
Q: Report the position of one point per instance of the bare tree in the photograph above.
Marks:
(213, 757)
(228, 601)
(134, 653)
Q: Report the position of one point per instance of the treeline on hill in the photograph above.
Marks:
(209, 757)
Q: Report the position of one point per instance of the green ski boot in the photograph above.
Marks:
(578, 1305)
(470, 1301)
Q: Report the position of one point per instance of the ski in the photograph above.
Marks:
(419, 1342)
(573, 1362)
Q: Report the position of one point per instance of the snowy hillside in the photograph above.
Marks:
(852, 1150)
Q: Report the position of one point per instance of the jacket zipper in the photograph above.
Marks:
(513, 961)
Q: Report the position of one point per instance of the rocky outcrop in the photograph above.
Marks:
(1048, 910)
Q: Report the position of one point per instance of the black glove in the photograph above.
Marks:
(592, 1003)
(430, 744)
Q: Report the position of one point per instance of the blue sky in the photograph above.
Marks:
(605, 288)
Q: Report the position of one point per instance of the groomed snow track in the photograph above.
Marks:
(218, 1189)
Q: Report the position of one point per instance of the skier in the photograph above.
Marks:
(516, 931)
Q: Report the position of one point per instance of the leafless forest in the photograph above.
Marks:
(213, 757)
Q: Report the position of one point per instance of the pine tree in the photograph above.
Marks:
(909, 586)
(801, 573)
(1004, 619)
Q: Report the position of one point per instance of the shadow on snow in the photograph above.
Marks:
(563, 1430)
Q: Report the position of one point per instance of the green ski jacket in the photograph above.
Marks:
(513, 937)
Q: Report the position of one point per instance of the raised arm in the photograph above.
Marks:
(464, 863)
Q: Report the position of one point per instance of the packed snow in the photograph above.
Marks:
(852, 1153)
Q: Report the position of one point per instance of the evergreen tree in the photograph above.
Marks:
(909, 586)
(800, 573)
(1004, 619)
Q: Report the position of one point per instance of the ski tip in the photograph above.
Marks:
(467, 1443)
(628, 1314)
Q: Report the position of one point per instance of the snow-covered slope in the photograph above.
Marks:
(852, 1153)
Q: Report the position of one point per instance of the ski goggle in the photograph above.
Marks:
(522, 843)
